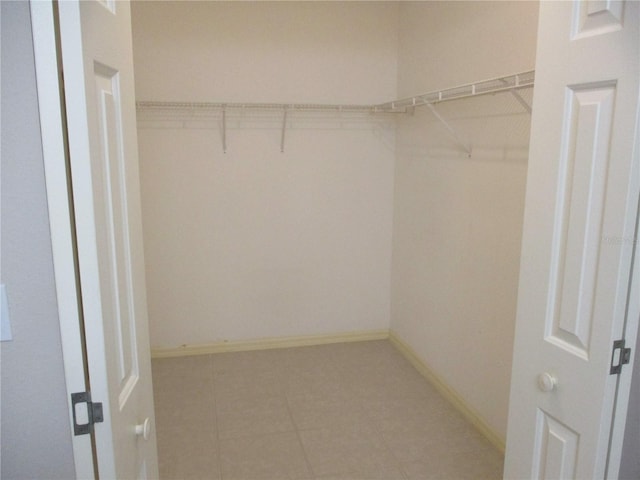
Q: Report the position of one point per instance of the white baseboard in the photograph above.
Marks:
(268, 343)
(447, 392)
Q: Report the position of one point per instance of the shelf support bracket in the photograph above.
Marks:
(450, 129)
(521, 101)
(284, 128)
(224, 129)
(518, 97)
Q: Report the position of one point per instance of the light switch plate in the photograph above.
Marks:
(5, 322)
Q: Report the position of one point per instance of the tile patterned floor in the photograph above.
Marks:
(350, 411)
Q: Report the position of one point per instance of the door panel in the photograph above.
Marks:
(118, 286)
(100, 104)
(556, 448)
(574, 281)
(596, 17)
(583, 167)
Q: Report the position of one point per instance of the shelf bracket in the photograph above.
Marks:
(224, 129)
(521, 101)
(284, 128)
(518, 97)
(450, 129)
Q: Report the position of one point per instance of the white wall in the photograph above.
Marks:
(256, 243)
(35, 434)
(458, 220)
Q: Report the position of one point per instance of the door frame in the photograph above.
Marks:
(630, 329)
(77, 363)
(58, 186)
(66, 279)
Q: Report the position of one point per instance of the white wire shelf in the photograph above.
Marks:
(491, 86)
(509, 83)
(194, 107)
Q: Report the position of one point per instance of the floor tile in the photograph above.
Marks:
(186, 428)
(275, 456)
(450, 466)
(422, 415)
(256, 360)
(184, 400)
(250, 383)
(352, 411)
(388, 381)
(188, 453)
(435, 443)
(359, 452)
(242, 416)
(317, 411)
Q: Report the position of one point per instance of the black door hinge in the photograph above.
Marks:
(94, 413)
(622, 358)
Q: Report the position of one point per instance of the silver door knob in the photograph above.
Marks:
(144, 429)
(547, 382)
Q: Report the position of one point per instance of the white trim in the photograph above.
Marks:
(448, 393)
(268, 343)
(44, 44)
(624, 387)
(632, 317)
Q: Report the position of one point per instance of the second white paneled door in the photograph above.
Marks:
(580, 215)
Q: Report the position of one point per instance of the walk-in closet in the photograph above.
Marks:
(323, 172)
(320, 240)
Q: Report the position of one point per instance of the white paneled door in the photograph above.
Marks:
(579, 227)
(100, 104)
